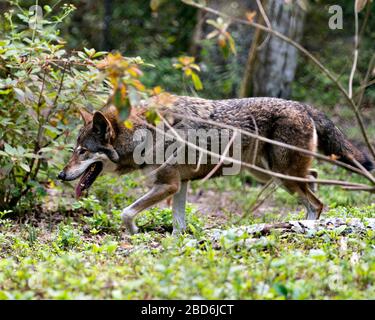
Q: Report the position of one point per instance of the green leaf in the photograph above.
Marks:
(47, 8)
(232, 45)
(89, 52)
(99, 54)
(81, 55)
(6, 91)
(281, 289)
(20, 95)
(196, 81)
(122, 106)
(152, 117)
(25, 167)
(10, 150)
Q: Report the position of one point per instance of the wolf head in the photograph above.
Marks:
(94, 149)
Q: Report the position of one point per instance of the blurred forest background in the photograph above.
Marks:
(161, 30)
(232, 60)
(47, 73)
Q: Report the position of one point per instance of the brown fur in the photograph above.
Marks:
(285, 121)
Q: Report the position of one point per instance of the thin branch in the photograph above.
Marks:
(218, 165)
(268, 23)
(366, 83)
(275, 142)
(364, 170)
(256, 140)
(257, 203)
(199, 162)
(254, 167)
(355, 60)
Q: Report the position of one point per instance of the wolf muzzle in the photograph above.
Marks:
(61, 175)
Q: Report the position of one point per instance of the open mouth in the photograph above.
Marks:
(88, 177)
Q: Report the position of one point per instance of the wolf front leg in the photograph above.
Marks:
(158, 193)
(167, 183)
(178, 209)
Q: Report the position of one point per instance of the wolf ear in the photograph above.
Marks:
(102, 126)
(86, 116)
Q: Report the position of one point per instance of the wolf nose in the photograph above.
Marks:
(61, 175)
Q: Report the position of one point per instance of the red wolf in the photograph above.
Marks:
(105, 144)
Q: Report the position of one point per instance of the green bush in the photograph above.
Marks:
(41, 88)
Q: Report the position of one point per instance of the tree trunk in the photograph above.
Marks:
(277, 61)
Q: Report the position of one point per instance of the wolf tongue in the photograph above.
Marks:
(81, 184)
(88, 178)
(79, 190)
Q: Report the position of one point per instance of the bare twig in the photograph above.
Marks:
(199, 162)
(254, 167)
(268, 23)
(364, 170)
(275, 142)
(226, 150)
(257, 203)
(355, 60)
(365, 81)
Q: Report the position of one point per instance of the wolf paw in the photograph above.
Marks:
(129, 223)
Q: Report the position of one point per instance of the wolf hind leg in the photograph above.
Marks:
(297, 130)
(313, 174)
(178, 209)
(313, 205)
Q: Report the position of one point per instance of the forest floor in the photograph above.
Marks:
(80, 250)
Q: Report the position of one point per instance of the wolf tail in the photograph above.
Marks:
(332, 141)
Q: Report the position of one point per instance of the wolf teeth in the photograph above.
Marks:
(82, 184)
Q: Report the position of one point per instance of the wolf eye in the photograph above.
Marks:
(82, 151)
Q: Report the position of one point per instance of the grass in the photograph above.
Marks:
(85, 254)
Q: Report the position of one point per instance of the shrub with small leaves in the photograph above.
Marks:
(42, 87)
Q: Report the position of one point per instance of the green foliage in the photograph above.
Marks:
(136, 27)
(328, 265)
(68, 237)
(41, 87)
(187, 65)
(98, 261)
(42, 84)
(99, 220)
(334, 48)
